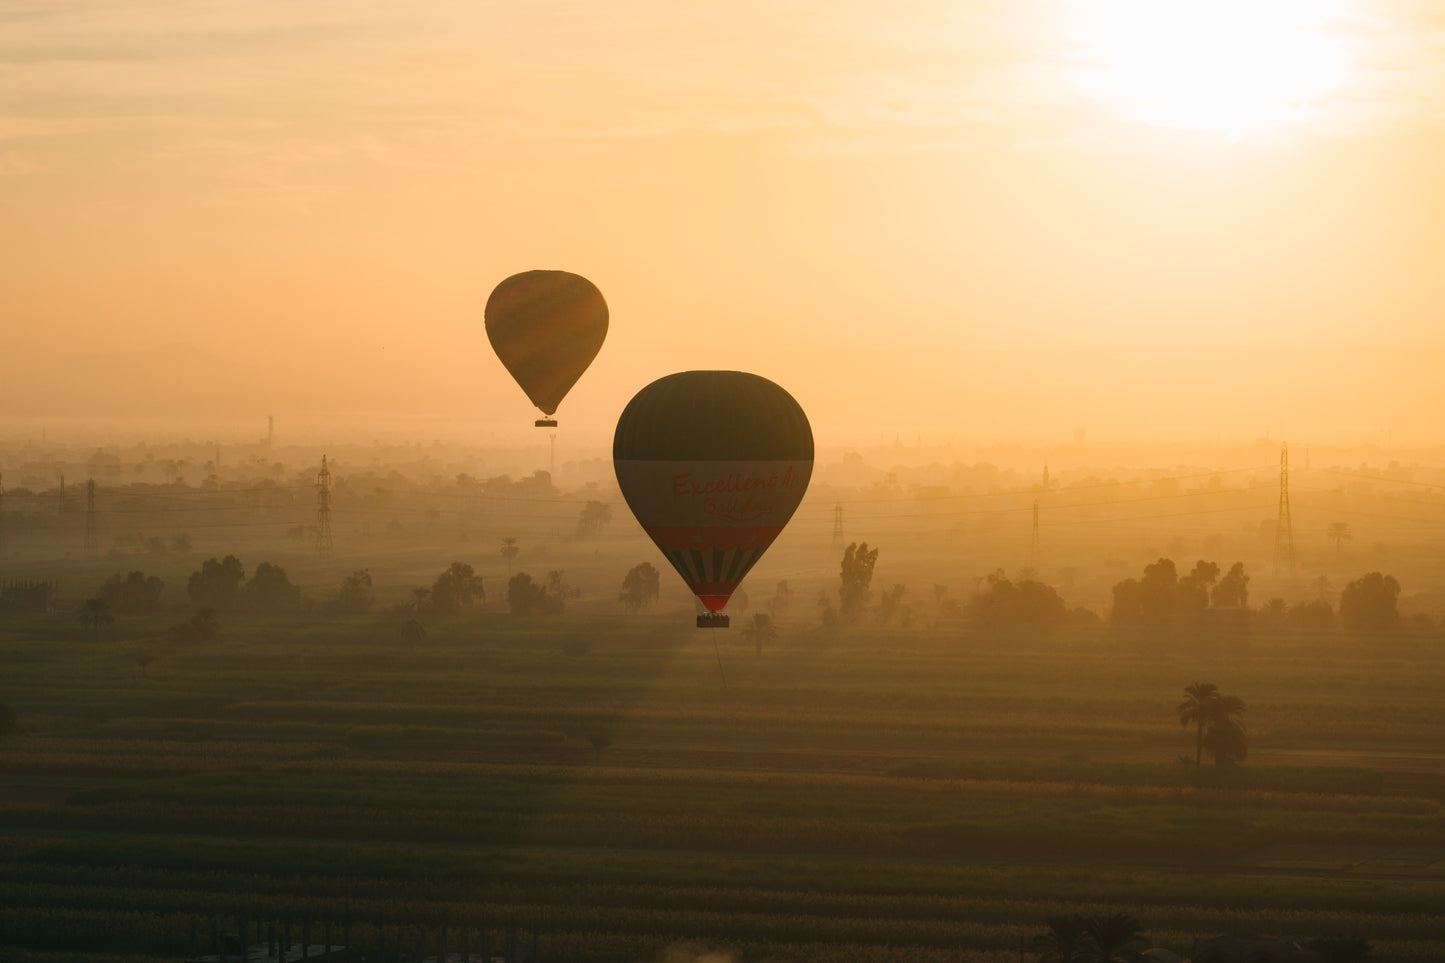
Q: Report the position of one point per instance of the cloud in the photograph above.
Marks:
(271, 97)
(534, 69)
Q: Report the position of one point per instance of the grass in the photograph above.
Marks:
(871, 795)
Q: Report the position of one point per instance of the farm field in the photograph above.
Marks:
(626, 790)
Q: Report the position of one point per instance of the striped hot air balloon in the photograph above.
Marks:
(713, 464)
(546, 327)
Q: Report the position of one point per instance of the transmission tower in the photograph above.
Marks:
(838, 525)
(1283, 528)
(90, 542)
(2, 509)
(323, 508)
(1034, 544)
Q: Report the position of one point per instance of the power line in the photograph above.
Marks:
(1362, 513)
(886, 499)
(1379, 478)
(1114, 501)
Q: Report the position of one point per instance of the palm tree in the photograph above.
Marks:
(1226, 731)
(1209, 710)
(1112, 935)
(1226, 740)
(1339, 532)
(510, 548)
(1067, 940)
(1195, 708)
(95, 615)
(413, 632)
(760, 631)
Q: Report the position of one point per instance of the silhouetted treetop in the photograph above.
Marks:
(856, 578)
(270, 590)
(357, 594)
(640, 587)
(216, 583)
(135, 594)
(524, 597)
(1027, 602)
(1161, 595)
(456, 588)
(594, 518)
(1370, 603)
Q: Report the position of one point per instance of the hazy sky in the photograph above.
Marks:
(978, 219)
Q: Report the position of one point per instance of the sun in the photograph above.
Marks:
(1228, 66)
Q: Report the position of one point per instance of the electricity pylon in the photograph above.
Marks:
(323, 508)
(91, 544)
(1283, 527)
(1034, 545)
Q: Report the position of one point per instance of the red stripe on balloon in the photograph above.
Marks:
(713, 595)
(703, 538)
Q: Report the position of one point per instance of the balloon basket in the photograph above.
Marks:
(713, 620)
(546, 422)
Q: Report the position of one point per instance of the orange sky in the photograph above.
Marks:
(979, 220)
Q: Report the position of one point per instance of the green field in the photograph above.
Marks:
(866, 794)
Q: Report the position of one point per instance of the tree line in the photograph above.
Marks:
(220, 587)
(1206, 594)
(1161, 595)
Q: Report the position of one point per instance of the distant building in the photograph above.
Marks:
(28, 595)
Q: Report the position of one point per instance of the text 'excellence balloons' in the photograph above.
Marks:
(713, 464)
(546, 327)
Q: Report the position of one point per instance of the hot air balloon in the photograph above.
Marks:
(546, 327)
(713, 464)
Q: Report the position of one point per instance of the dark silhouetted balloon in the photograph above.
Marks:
(546, 327)
(713, 464)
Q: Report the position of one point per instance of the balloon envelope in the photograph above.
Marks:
(713, 464)
(546, 327)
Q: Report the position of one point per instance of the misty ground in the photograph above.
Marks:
(927, 788)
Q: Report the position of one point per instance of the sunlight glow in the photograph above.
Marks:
(1232, 66)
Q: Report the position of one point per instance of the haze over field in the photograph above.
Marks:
(983, 220)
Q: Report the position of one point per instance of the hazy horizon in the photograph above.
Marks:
(178, 391)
